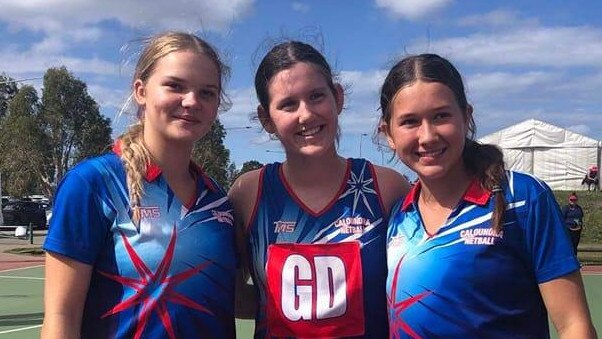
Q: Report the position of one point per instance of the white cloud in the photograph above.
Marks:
(244, 104)
(33, 62)
(496, 84)
(498, 18)
(60, 15)
(412, 9)
(534, 46)
(300, 7)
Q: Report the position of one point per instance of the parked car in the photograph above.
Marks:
(22, 213)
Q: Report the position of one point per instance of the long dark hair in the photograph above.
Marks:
(484, 162)
(284, 56)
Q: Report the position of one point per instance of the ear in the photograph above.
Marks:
(139, 92)
(339, 97)
(383, 128)
(468, 115)
(265, 120)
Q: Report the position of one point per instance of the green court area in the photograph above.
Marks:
(21, 303)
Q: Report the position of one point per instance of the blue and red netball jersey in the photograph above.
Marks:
(170, 276)
(320, 274)
(467, 281)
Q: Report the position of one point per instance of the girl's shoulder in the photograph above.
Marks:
(97, 169)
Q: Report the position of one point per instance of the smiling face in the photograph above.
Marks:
(303, 110)
(180, 99)
(428, 130)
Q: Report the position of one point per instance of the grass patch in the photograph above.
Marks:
(35, 251)
(590, 258)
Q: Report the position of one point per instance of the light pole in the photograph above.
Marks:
(19, 80)
(361, 139)
(237, 128)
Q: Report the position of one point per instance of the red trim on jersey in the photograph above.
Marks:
(475, 194)
(153, 171)
(257, 198)
(377, 188)
(304, 207)
(412, 196)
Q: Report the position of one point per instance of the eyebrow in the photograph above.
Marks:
(432, 110)
(178, 79)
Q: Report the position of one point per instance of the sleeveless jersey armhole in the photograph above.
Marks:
(377, 189)
(257, 200)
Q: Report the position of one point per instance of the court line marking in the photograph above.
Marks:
(21, 329)
(20, 268)
(16, 277)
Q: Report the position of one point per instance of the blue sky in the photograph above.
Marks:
(520, 59)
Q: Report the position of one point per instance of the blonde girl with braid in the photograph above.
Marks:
(141, 244)
(474, 250)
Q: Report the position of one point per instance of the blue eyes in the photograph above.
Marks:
(441, 117)
(203, 93)
(292, 104)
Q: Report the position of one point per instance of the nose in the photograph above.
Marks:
(427, 133)
(305, 112)
(190, 99)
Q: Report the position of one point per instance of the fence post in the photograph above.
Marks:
(30, 231)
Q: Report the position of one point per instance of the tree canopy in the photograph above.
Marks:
(211, 154)
(72, 122)
(42, 139)
(22, 141)
(8, 89)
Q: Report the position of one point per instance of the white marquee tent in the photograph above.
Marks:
(559, 157)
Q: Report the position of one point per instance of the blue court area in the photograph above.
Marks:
(21, 312)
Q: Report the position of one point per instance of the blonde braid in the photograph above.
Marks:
(135, 157)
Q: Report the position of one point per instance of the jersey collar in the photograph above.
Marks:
(475, 194)
(153, 171)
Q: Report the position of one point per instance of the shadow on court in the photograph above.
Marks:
(25, 319)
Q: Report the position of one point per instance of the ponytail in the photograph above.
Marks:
(486, 163)
(135, 157)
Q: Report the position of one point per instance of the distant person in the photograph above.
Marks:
(592, 178)
(141, 243)
(573, 219)
(474, 250)
(314, 225)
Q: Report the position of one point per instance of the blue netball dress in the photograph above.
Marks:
(467, 281)
(321, 274)
(169, 276)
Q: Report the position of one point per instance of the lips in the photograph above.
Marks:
(430, 153)
(187, 118)
(310, 132)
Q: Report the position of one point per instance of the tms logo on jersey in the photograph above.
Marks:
(315, 290)
(284, 226)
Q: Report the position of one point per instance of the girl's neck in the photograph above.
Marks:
(314, 171)
(446, 191)
(173, 158)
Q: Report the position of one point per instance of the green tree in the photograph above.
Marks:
(23, 144)
(72, 122)
(231, 173)
(211, 154)
(249, 166)
(8, 89)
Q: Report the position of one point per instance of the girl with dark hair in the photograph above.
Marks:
(314, 225)
(141, 242)
(473, 250)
